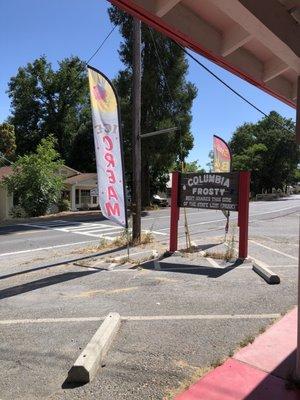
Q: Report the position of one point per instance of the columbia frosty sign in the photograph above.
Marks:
(212, 191)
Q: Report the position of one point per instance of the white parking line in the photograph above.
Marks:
(233, 218)
(45, 248)
(168, 216)
(141, 318)
(212, 262)
(274, 250)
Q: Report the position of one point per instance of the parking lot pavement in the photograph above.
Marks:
(175, 321)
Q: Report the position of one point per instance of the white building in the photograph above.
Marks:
(80, 189)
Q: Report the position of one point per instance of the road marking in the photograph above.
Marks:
(212, 262)
(142, 318)
(281, 209)
(232, 218)
(93, 293)
(26, 233)
(275, 251)
(97, 230)
(45, 248)
(168, 216)
(199, 317)
(199, 223)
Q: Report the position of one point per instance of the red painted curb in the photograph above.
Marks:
(235, 380)
(257, 372)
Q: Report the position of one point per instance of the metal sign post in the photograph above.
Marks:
(214, 191)
(174, 212)
(243, 216)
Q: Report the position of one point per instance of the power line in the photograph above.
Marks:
(231, 88)
(101, 45)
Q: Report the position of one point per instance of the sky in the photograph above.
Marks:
(61, 28)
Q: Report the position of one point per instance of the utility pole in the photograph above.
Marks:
(136, 133)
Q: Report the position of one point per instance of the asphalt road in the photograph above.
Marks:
(176, 321)
(31, 240)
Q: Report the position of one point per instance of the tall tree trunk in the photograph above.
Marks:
(145, 185)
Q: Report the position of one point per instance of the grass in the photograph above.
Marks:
(247, 340)
(123, 260)
(229, 242)
(291, 384)
(152, 207)
(186, 383)
(125, 239)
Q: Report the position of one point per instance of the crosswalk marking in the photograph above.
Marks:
(92, 229)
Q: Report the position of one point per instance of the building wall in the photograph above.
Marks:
(83, 199)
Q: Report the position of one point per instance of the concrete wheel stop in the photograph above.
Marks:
(87, 364)
(264, 271)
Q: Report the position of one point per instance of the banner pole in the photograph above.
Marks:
(174, 212)
(243, 216)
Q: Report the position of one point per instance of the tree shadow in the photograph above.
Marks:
(41, 283)
(63, 262)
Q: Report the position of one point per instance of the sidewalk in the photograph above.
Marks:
(257, 372)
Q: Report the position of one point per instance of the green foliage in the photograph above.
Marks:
(7, 141)
(159, 109)
(192, 166)
(210, 164)
(35, 181)
(296, 176)
(269, 151)
(63, 205)
(18, 212)
(48, 102)
(82, 153)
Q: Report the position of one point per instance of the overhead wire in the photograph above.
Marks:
(231, 88)
(86, 63)
(101, 45)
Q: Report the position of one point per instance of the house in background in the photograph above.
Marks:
(80, 189)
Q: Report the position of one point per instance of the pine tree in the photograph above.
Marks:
(166, 102)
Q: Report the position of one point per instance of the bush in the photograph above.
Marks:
(18, 212)
(64, 205)
(36, 181)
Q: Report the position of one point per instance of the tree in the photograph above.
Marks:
(267, 150)
(166, 102)
(192, 166)
(210, 164)
(36, 181)
(82, 154)
(7, 141)
(47, 102)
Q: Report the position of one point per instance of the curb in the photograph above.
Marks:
(86, 366)
(264, 271)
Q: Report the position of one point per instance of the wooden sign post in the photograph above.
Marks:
(213, 191)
